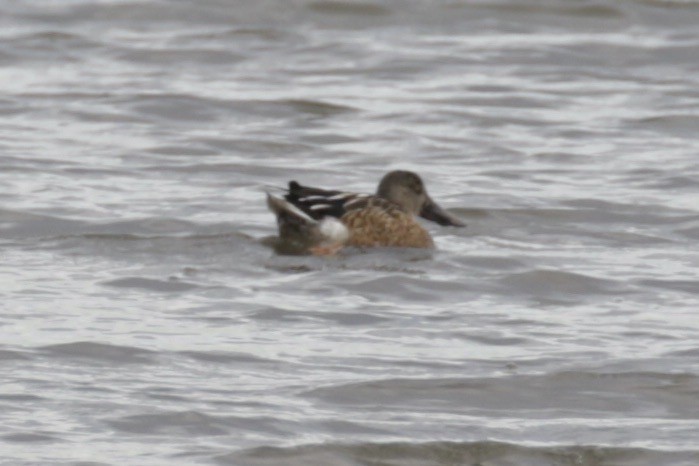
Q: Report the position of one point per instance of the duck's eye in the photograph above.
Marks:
(415, 184)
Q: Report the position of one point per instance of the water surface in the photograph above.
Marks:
(143, 320)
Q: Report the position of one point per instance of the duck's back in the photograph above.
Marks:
(318, 203)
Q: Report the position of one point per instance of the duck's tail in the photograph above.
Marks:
(289, 214)
(299, 227)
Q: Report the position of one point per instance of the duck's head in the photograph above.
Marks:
(408, 191)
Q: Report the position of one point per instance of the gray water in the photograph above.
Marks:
(143, 321)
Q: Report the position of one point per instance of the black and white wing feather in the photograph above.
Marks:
(319, 203)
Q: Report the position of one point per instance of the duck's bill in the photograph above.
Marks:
(431, 211)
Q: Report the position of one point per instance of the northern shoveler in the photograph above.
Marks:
(323, 221)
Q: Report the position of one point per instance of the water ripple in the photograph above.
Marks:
(145, 316)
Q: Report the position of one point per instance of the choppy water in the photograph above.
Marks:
(144, 322)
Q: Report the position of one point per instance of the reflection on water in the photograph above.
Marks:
(145, 318)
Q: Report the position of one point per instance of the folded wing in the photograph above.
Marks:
(318, 203)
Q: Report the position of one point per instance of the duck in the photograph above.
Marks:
(322, 221)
